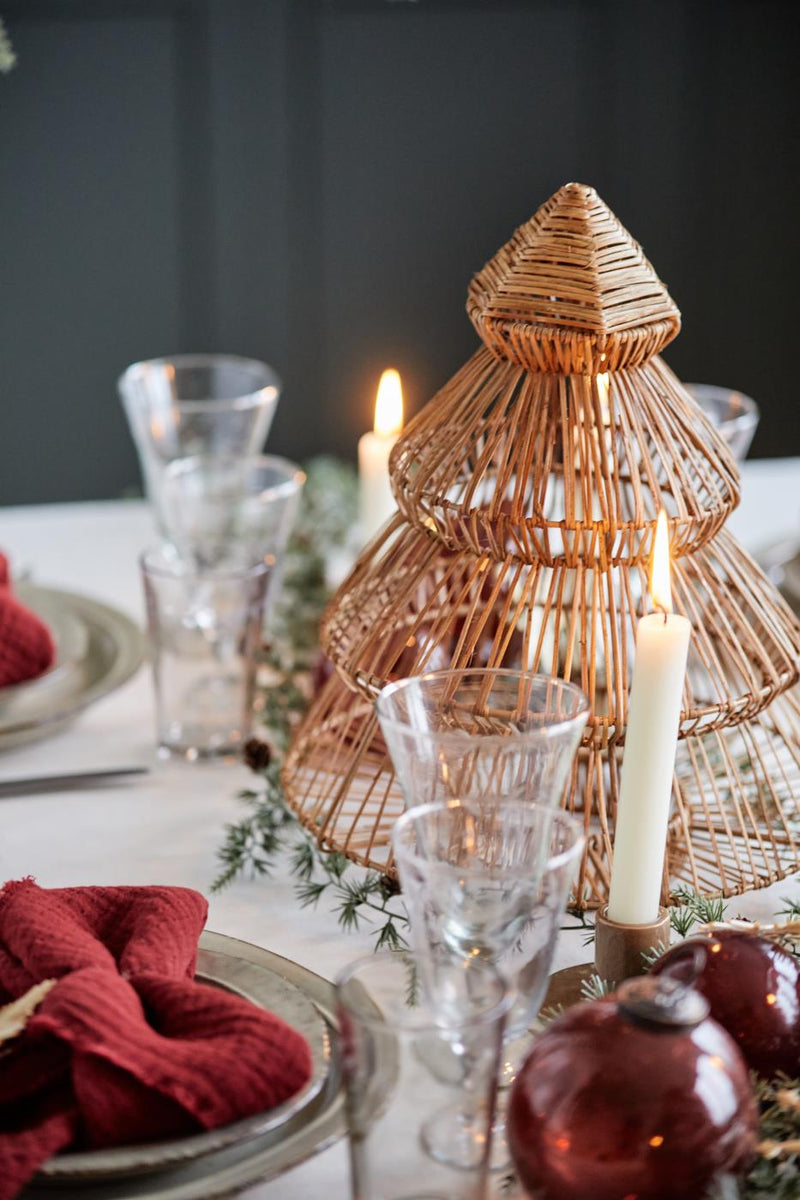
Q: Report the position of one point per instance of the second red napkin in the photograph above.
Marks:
(125, 1047)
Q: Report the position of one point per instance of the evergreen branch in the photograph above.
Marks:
(790, 910)
(270, 831)
(547, 1016)
(651, 956)
(595, 988)
(776, 1173)
(694, 909)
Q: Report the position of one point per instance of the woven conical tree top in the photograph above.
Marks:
(528, 491)
(572, 292)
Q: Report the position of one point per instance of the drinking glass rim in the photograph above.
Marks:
(499, 1008)
(560, 859)
(269, 390)
(748, 406)
(296, 476)
(549, 730)
(185, 570)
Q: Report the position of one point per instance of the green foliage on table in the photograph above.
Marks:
(776, 1173)
(692, 910)
(269, 830)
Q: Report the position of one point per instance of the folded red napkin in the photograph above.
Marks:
(26, 646)
(125, 1047)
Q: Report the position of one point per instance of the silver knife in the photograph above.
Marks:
(52, 783)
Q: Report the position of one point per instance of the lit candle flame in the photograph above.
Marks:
(660, 587)
(602, 391)
(389, 404)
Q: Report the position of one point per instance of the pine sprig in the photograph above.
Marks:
(595, 987)
(580, 922)
(790, 910)
(270, 832)
(693, 909)
(776, 1173)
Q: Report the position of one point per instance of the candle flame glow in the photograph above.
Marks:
(660, 587)
(603, 386)
(389, 404)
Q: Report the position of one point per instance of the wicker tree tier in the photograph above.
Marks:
(528, 491)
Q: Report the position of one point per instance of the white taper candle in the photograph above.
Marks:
(376, 502)
(654, 709)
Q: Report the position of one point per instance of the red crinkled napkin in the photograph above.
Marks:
(125, 1047)
(26, 645)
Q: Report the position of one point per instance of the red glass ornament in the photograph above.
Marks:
(613, 1104)
(753, 989)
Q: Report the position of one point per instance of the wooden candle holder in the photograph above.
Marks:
(528, 491)
(620, 951)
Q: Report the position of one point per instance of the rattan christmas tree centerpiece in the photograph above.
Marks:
(528, 491)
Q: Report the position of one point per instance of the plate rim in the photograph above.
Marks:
(326, 1126)
(101, 618)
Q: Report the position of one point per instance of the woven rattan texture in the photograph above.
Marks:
(572, 292)
(528, 491)
(561, 469)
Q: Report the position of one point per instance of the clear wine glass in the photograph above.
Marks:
(217, 405)
(490, 883)
(482, 732)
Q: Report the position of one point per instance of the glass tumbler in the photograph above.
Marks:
(205, 629)
(212, 506)
(210, 404)
(482, 733)
(420, 1075)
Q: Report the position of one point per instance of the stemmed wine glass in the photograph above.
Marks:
(482, 733)
(487, 858)
(490, 883)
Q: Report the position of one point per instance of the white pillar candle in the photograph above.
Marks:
(376, 502)
(654, 710)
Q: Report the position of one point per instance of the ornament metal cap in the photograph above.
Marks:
(662, 1003)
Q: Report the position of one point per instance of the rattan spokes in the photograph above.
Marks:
(528, 491)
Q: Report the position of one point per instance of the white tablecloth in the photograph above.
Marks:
(165, 827)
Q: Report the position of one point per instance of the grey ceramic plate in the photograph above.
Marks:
(111, 651)
(267, 989)
(224, 1172)
(71, 641)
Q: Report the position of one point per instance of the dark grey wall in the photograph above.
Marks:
(314, 183)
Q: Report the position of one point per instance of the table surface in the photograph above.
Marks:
(165, 827)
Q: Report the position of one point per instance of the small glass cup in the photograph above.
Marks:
(486, 732)
(205, 630)
(209, 404)
(213, 506)
(420, 1075)
(734, 415)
